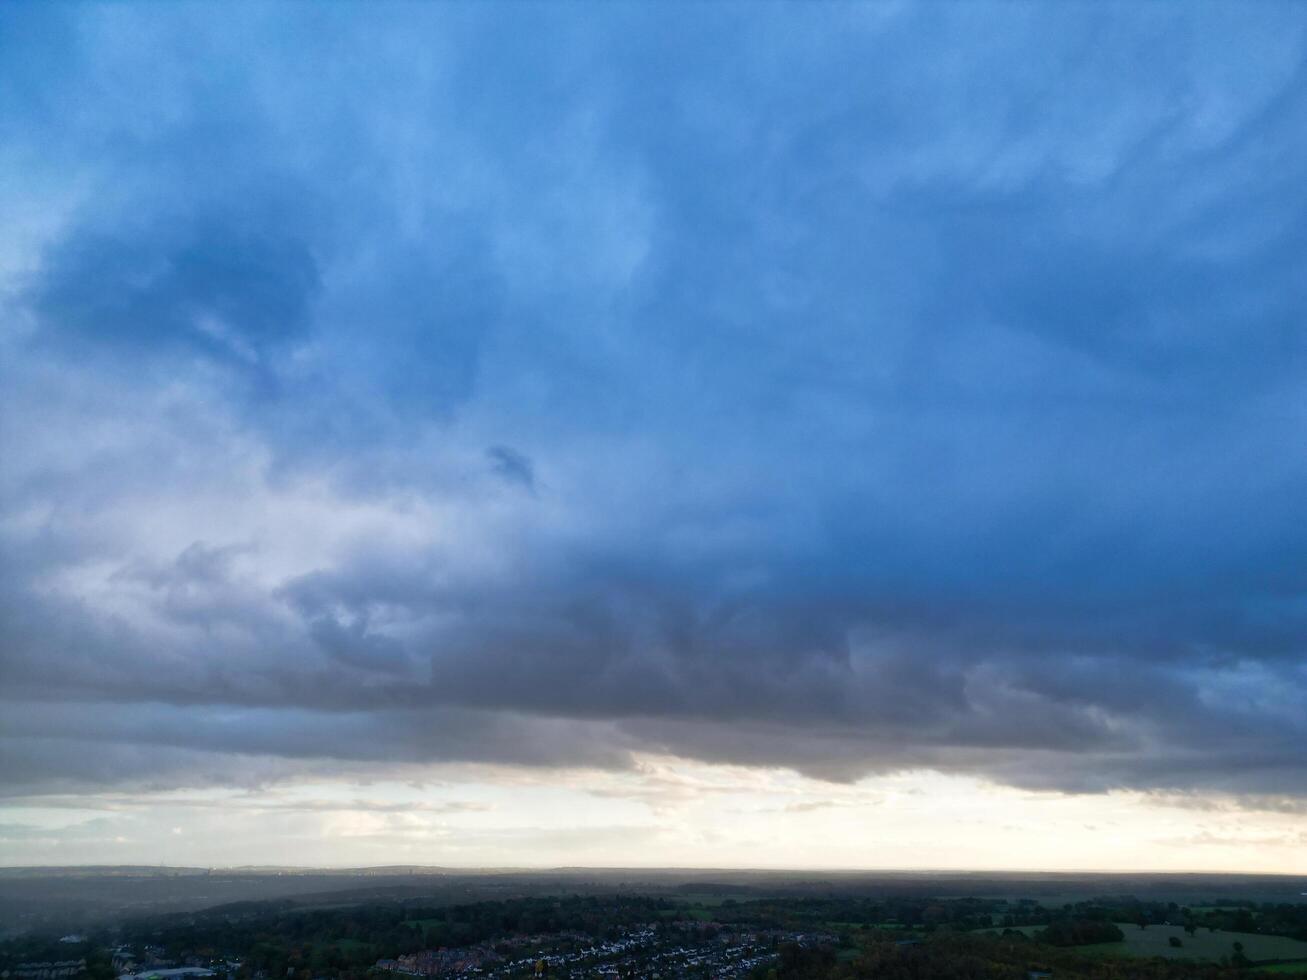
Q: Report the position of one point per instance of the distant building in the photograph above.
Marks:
(179, 973)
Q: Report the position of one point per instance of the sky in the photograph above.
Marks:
(838, 435)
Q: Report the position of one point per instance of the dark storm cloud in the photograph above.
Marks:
(513, 466)
(229, 292)
(849, 394)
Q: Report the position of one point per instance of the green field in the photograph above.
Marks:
(1290, 969)
(1156, 941)
(1204, 945)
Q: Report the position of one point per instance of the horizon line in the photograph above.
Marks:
(666, 869)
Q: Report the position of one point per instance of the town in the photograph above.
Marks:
(681, 948)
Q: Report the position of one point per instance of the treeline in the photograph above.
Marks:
(1079, 932)
(1271, 919)
(865, 913)
(980, 956)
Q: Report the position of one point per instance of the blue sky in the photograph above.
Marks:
(829, 393)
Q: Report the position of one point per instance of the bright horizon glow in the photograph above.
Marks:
(679, 814)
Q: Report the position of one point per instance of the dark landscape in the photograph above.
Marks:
(254, 924)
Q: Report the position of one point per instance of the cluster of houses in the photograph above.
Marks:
(152, 960)
(44, 970)
(431, 962)
(718, 952)
(471, 959)
(725, 954)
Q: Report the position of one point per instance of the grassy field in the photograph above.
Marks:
(1203, 945)
(1289, 969)
(1156, 941)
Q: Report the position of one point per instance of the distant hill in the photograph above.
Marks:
(78, 898)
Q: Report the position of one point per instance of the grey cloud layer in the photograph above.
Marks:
(849, 394)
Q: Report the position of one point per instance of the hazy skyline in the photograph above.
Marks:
(835, 436)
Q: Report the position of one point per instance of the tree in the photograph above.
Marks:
(1238, 959)
(1079, 932)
